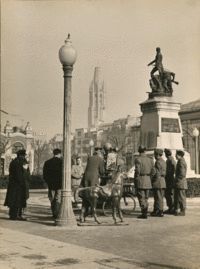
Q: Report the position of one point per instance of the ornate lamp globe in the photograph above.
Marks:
(195, 132)
(67, 53)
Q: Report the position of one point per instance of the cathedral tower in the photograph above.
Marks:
(96, 100)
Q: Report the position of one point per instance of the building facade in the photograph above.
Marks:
(190, 119)
(12, 140)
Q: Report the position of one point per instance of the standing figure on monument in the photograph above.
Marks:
(158, 63)
(158, 183)
(169, 179)
(52, 174)
(143, 170)
(180, 184)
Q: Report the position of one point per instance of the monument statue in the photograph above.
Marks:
(161, 83)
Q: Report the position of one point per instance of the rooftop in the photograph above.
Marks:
(191, 106)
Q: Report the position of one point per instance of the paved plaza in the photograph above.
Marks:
(170, 242)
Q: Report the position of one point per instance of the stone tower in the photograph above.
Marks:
(96, 99)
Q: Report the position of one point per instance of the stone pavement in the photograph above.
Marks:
(160, 243)
(21, 250)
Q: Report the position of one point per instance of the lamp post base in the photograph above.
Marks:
(66, 215)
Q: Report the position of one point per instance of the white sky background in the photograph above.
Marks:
(118, 36)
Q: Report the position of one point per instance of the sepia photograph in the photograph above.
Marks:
(99, 134)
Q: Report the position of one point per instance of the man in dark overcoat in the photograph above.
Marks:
(169, 179)
(158, 183)
(94, 169)
(16, 192)
(52, 174)
(143, 170)
(180, 184)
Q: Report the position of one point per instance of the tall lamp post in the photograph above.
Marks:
(196, 136)
(91, 144)
(67, 56)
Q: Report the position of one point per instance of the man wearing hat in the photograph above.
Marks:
(180, 184)
(16, 192)
(52, 174)
(94, 169)
(169, 179)
(158, 183)
(143, 170)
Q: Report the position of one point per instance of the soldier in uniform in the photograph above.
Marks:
(169, 179)
(143, 170)
(180, 184)
(158, 183)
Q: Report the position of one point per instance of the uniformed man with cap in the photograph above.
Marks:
(158, 183)
(169, 179)
(180, 184)
(143, 171)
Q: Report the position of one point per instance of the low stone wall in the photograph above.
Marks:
(37, 182)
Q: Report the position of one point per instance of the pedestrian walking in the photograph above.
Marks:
(158, 183)
(169, 179)
(17, 192)
(143, 170)
(52, 174)
(180, 184)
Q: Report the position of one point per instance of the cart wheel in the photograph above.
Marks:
(107, 209)
(128, 204)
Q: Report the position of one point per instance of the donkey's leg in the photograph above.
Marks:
(94, 206)
(114, 209)
(83, 210)
(119, 209)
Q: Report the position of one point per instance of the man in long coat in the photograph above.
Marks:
(52, 174)
(143, 170)
(180, 184)
(158, 183)
(94, 169)
(16, 192)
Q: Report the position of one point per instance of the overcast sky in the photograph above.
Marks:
(118, 36)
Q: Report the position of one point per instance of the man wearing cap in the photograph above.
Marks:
(77, 173)
(52, 174)
(169, 179)
(143, 170)
(16, 192)
(94, 169)
(158, 183)
(180, 184)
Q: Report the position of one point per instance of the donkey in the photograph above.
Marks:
(112, 190)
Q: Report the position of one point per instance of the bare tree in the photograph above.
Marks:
(41, 154)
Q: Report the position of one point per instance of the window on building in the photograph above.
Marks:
(79, 133)
(79, 142)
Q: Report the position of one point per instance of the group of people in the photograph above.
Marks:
(166, 179)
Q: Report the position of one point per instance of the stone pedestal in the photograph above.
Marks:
(161, 126)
